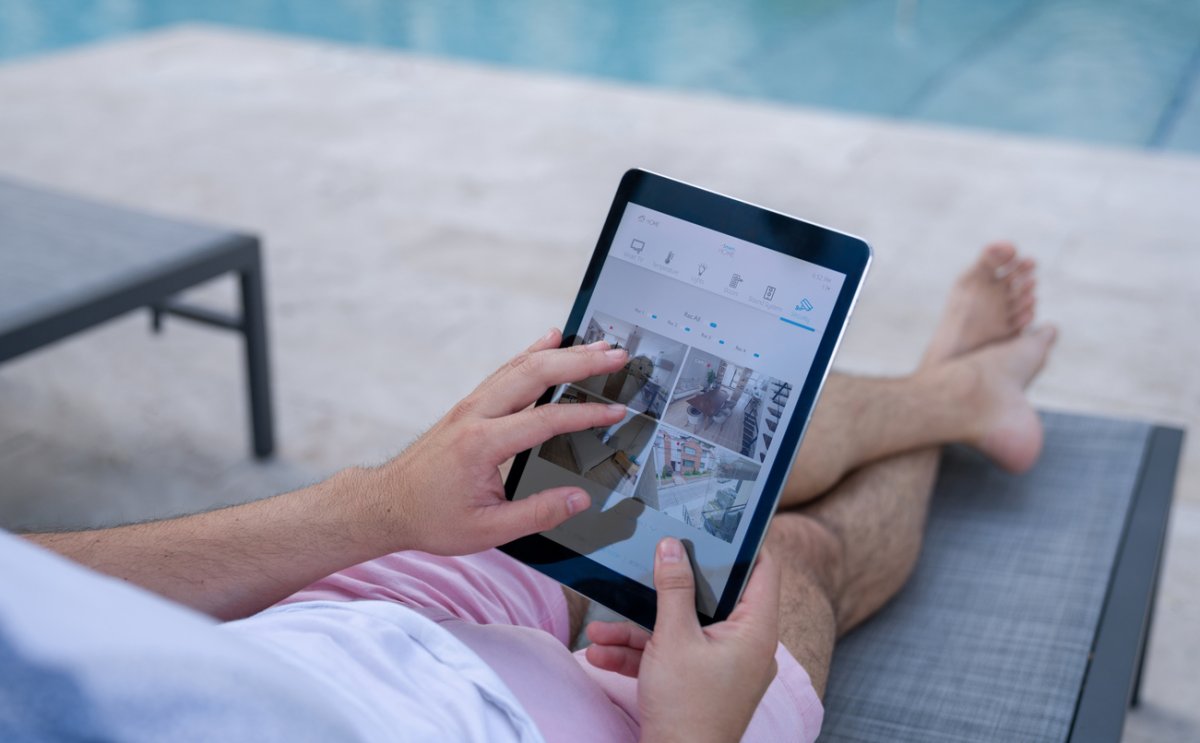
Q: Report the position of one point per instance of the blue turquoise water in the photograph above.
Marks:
(1123, 72)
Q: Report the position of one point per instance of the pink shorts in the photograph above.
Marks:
(516, 620)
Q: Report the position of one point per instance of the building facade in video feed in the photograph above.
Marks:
(697, 482)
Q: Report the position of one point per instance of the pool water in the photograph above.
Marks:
(1121, 72)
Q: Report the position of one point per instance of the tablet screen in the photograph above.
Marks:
(721, 335)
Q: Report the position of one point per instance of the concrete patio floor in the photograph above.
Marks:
(425, 219)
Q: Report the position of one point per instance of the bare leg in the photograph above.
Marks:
(861, 420)
(877, 521)
(849, 552)
(846, 554)
(577, 608)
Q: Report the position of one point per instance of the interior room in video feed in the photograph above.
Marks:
(644, 384)
(732, 406)
(718, 422)
(612, 456)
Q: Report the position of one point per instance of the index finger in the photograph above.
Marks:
(523, 380)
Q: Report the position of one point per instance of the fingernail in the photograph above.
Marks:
(670, 550)
(549, 334)
(617, 408)
(616, 353)
(597, 345)
(576, 502)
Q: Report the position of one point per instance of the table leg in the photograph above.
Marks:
(258, 372)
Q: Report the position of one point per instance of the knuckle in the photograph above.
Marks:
(526, 363)
(545, 416)
(516, 361)
(674, 581)
(471, 436)
(564, 419)
(575, 418)
(587, 360)
(545, 514)
(464, 408)
(599, 414)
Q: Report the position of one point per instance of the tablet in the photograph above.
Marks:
(731, 315)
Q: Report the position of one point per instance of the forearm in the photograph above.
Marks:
(443, 495)
(236, 561)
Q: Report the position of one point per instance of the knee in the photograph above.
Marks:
(577, 609)
(805, 545)
(814, 475)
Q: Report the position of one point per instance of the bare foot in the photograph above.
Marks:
(991, 301)
(1007, 430)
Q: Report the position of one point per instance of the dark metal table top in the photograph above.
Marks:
(59, 253)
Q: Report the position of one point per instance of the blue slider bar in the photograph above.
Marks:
(797, 324)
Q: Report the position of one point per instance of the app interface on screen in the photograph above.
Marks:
(721, 334)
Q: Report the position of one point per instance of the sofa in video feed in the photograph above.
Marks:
(644, 383)
(700, 484)
(732, 406)
(611, 456)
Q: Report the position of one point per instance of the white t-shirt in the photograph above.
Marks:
(86, 656)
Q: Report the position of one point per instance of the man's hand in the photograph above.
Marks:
(694, 683)
(445, 493)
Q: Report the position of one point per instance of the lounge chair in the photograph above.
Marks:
(1028, 614)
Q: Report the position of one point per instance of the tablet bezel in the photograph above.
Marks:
(837, 251)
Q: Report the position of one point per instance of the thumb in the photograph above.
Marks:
(539, 512)
(676, 586)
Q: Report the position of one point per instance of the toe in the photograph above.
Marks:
(1018, 269)
(1021, 287)
(1047, 334)
(1021, 304)
(997, 255)
(1021, 319)
(1044, 335)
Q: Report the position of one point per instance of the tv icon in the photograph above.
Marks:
(638, 246)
